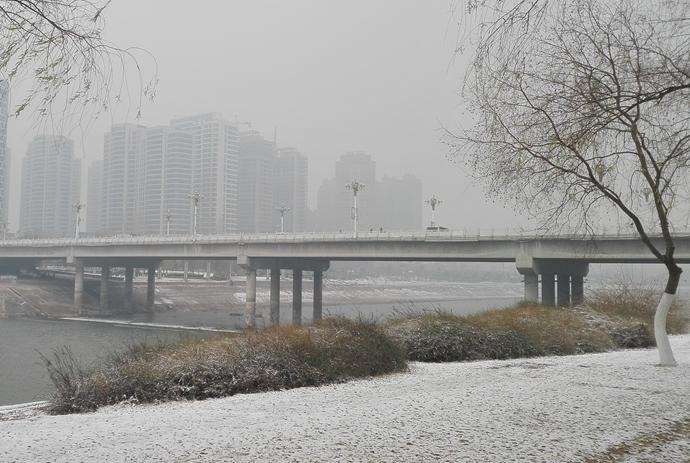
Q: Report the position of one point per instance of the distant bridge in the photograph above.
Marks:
(558, 262)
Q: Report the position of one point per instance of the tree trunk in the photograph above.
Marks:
(663, 345)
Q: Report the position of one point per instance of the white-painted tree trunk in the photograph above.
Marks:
(665, 353)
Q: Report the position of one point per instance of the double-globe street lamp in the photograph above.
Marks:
(77, 208)
(355, 187)
(434, 203)
(283, 210)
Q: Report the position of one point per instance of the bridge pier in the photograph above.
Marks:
(561, 279)
(105, 285)
(318, 295)
(297, 296)
(79, 288)
(298, 266)
(250, 307)
(531, 288)
(563, 289)
(578, 290)
(275, 296)
(548, 290)
(129, 287)
(150, 287)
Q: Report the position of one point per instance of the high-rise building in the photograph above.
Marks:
(123, 162)
(167, 181)
(215, 147)
(256, 183)
(399, 203)
(4, 154)
(390, 204)
(94, 198)
(290, 188)
(335, 201)
(51, 179)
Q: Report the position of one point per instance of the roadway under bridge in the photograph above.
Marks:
(553, 266)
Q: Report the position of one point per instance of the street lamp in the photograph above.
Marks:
(433, 202)
(195, 201)
(168, 216)
(77, 207)
(283, 210)
(355, 187)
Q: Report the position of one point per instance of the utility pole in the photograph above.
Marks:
(283, 210)
(77, 207)
(434, 203)
(355, 187)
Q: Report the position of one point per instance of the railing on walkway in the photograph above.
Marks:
(305, 237)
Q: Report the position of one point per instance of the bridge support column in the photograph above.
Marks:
(297, 296)
(275, 296)
(250, 307)
(185, 272)
(129, 287)
(578, 289)
(79, 288)
(105, 284)
(531, 288)
(548, 290)
(150, 287)
(318, 295)
(563, 289)
(207, 275)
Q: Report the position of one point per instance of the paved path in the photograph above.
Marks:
(540, 410)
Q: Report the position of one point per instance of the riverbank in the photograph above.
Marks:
(545, 409)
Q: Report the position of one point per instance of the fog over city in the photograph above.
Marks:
(327, 77)
(355, 230)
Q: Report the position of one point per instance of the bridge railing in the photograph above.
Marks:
(375, 235)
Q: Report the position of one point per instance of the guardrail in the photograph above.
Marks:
(303, 237)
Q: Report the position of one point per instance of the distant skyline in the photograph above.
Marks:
(332, 77)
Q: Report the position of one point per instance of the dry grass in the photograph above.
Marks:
(677, 431)
(280, 358)
(636, 305)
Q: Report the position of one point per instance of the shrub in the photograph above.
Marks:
(443, 339)
(333, 350)
(550, 330)
(521, 331)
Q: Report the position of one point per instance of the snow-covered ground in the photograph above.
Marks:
(552, 409)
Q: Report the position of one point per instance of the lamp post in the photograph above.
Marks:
(168, 216)
(283, 210)
(434, 203)
(355, 187)
(195, 201)
(77, 207)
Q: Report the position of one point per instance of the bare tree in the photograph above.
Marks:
(582, 105)
(57, 49)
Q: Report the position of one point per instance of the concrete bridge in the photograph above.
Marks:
(557, 264)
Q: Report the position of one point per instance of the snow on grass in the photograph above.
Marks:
(544, 409)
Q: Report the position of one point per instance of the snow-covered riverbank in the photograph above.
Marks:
(545, 409)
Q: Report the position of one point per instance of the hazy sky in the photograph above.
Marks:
(377, 76)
